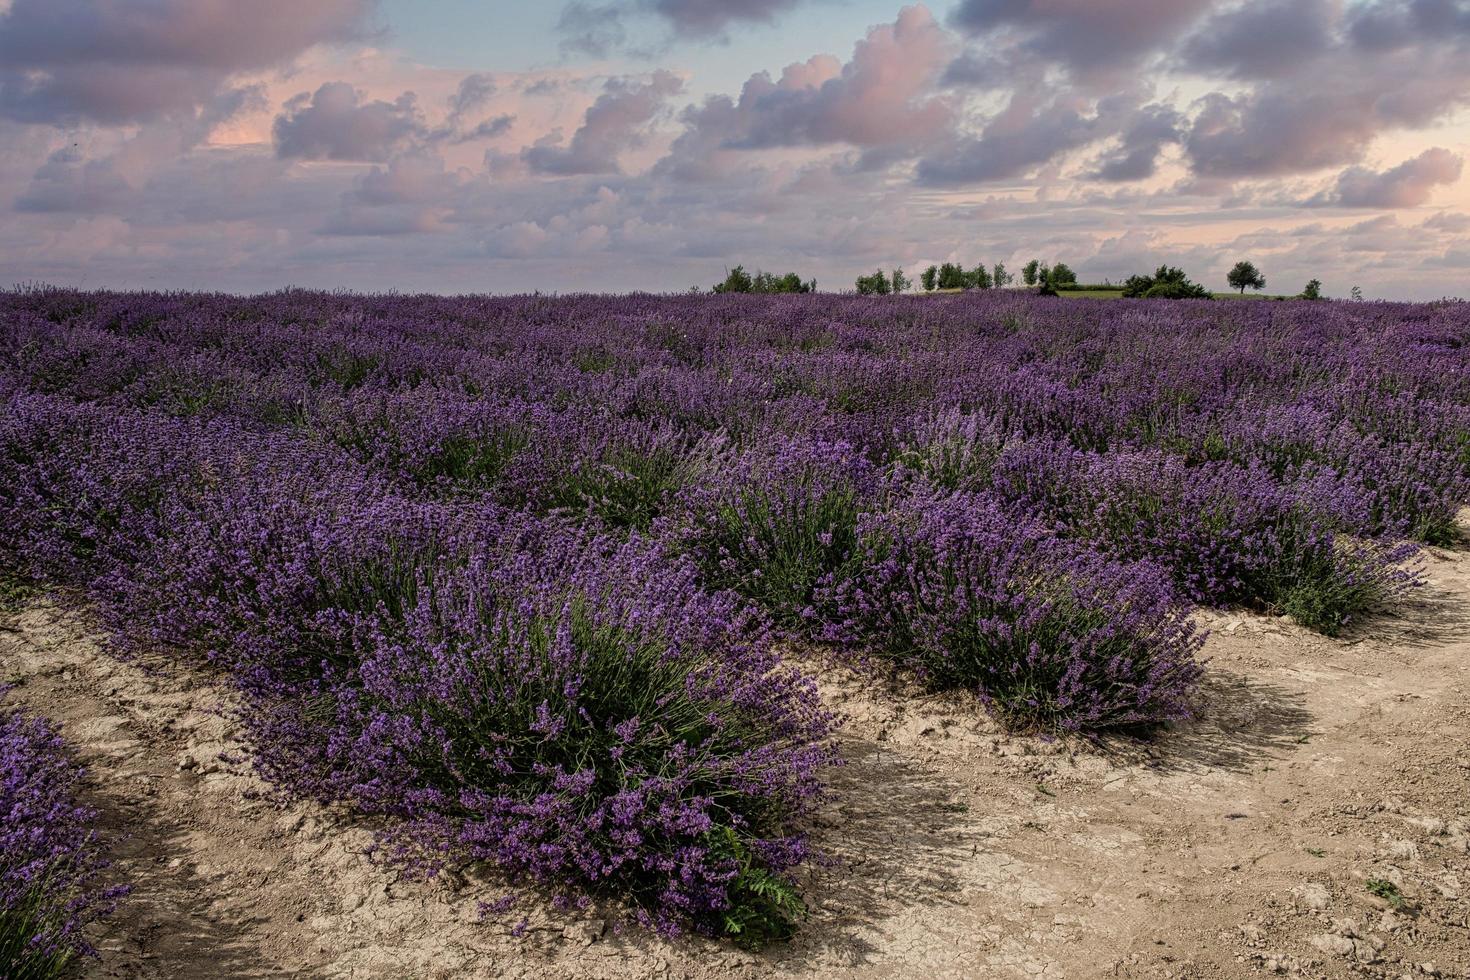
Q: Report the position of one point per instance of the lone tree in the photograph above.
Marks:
(929, 277)
(1029, 272)
(900, 281)
(1001, 277)
(1245, 274)
(1312, 290)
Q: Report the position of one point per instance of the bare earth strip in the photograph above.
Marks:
(1239, 846)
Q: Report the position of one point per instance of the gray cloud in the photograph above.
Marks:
(597, 28)
(1137, 155)
(615, 124)
(1327, 117)
(488, 129)
(1088, 36)
(1264, 39)
(67, 181)
(116, 61)
(1389, 24)
(1022, 137)
(473, 92)
(333, 123)
(1036, 128)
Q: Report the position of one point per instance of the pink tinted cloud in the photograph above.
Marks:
(126, 60)
(1408, 185)
(885, 96)
(336, 123)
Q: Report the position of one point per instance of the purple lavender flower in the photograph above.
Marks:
(53, 882)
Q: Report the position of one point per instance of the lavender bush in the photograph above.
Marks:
(777, 523)
(53, 882)
(1050, 633)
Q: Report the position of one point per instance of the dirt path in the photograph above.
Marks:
(1240, 846)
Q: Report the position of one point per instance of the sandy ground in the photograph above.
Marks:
(1241, 845)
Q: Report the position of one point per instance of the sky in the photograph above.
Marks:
(617, 145)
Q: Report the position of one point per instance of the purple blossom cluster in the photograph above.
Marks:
(550, 694)
(1048, 631)
(513, 571)
(52, 875)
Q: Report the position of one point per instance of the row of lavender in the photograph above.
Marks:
(53, 881)
(511, 571)
(1297, 429)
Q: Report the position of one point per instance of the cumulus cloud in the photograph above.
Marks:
(882, 98)
(1408, 185)
(1137, 154)
(1264, 39)
(1036, 128)
(1296, 125)
(116, 61)
(1026, 134)
(334, 123)
(1384, 24)
(1087, 36)
(616, 123)
(1320, 103)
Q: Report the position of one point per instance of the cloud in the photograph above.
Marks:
(488, 129)
(884, 97)
(333, 123)
(118, 61)
(1035, 128)
(1086, 36)
(1136, 157)
(474, 91)
(1390, 24)
(1023, 136)
(701, 18)
(1450, 222)
(597, 28)
(67, 181)
(1264, 39)
(1297, 125)
(1406, 186)
(1325, 86)
(615, 123)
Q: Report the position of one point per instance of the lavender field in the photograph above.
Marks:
(547, 583)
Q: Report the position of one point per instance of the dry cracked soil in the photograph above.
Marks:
(1313, 822)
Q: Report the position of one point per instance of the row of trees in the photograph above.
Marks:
(1167, 282)
(737, 280)
(951, 275)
